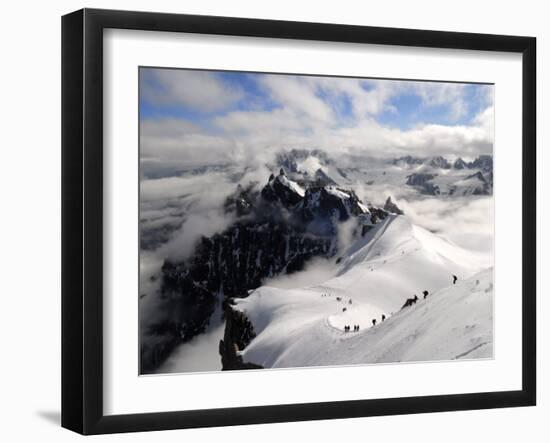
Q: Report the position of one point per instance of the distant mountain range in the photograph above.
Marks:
(483, 162)
(435, 176)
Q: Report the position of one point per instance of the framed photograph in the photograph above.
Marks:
(268, 221)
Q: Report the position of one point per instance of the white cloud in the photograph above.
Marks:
(198, 202)
(316, 271)
(199, 90)
(465, 221)
(447, 140)
(283, 121)
(201, 354)
(443, 94)
(298, 95)
(338, 115)
(254, 137)
(197, 224)
(486, 119)
(170, 144)
(468, 223)
(366, 97)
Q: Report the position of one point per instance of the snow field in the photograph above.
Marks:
(393, 262)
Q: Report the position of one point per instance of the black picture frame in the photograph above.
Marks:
(82, 219)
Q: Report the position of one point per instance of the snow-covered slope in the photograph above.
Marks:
(394, 261)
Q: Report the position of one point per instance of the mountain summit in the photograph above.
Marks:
(276, 231)
(280, 188)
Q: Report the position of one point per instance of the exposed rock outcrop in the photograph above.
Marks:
(277, 231)
(390, 206)
(423, 182)
(238, 334)
(460, 164)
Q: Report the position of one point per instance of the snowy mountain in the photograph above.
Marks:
(439, 162)
(437, 176)
(474, 184)
(307, 209)
(310, 168)
(276, 231)
(459, 163)
(378, 273)
(434, 176)
(280, 189)
(408, 160)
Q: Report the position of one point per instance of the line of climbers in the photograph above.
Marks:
(412, 301)
(408, 302)
(356, 328)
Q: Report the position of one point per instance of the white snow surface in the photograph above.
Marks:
(337, 193)
(305, 326)
(311, 165)
(291, 184)
(363, 208)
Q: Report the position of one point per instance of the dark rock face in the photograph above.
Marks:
(227, 265)
(423, 183)
(418, 179)
(460, 164)
(439, 162)
(238, 333)
(390, 206)
(408, 160)
(486, 185)
(272, 235)
(280, 189)
(329, 204)
(483, 162)
(489, 179)
(479, 176)
(322, 179)
(242, 201)
(376, 215)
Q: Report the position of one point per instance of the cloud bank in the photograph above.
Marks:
(194, 118)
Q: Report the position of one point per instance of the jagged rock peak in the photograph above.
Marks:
(390, 206)
(419, 179)
(439, 162)
(408, 160)
(459, 163)
(242, 201)
(282, 189)
(424, 183)
(327, 202)
(484, 162)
